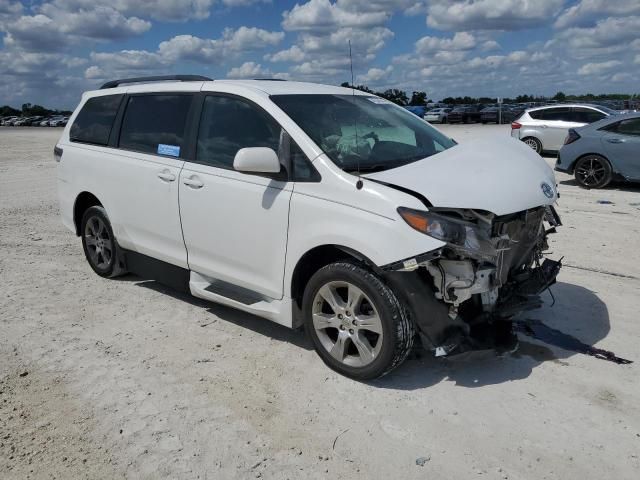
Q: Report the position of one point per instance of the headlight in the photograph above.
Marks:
(453, 231)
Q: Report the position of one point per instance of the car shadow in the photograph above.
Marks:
(228, 314)
(631, 187)
(578, 317)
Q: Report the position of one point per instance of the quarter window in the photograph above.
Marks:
(229, 124)
(630, 126)
(155, 123)
(94, 122)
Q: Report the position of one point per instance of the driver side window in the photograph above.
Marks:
(228, 124)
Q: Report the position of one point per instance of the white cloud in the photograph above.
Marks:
(204, 50)
(491, 14)
(292, 54)
(375, 75)
(611, 33)
(586, 12)
(248, 70)
(318, 15)
(460, 41)
(598, 68)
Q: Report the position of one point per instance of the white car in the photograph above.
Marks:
(437, 115)
(269, 197)
(545, 128)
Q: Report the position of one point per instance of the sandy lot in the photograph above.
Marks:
(124, 379)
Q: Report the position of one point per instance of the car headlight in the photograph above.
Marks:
(451, 230)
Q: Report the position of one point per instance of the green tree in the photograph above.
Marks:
(396, 96)
(560, 96)
(418, 99)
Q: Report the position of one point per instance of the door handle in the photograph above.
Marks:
(615, 140)
(166, 176)
(193, 182)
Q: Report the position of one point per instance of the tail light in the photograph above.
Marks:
(515, 125)
(571, 137)
(57, 154)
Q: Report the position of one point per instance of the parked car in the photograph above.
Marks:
(58, 121)
(464, 114)
(417, 109)
(495, 115)
(602, 151)
(544, 128)
(437, 115)
(8, 121)
(45, 122)
(21, 122)
(367, 234)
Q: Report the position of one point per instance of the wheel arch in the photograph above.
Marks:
(572, 166)
(313, 260)
(83, 201)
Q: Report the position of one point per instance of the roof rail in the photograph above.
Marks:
(157, 78)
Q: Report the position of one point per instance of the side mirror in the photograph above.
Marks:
(256, 160)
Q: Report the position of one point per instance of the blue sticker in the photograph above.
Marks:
(173, 150)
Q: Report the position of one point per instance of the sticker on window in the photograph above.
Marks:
(173, 150)
(379, 101)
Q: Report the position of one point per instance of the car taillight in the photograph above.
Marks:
(515, 125)
(571, 137)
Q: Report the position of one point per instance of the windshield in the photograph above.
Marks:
(358, 131)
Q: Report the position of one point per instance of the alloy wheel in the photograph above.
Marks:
(533, 143)
(347, 323)
(591, 172)
(99, 242)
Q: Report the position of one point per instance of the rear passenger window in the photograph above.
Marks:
(229, 124)
(94, 122)
(155, 123)
(586, 115)
(558, 114)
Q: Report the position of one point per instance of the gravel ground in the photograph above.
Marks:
(124, 379)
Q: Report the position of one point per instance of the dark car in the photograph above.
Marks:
(493, 114)
(465, 114)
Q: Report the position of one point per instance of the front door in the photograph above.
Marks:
(235, 224)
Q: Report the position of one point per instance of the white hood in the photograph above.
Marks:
(500, 176)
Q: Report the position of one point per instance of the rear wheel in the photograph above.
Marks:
(593, 171)
(356, 323)
(99, 244)
(534, 143)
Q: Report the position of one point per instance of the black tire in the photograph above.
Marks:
(397, 329)
(99, 244)
(593, 171)
(534, 143)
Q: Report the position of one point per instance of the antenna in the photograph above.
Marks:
(355, 118)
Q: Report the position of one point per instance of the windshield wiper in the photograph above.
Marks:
(368, 168)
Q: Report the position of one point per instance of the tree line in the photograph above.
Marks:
(419, 98)
(29, 110)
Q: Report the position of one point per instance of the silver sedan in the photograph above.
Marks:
(602, 151)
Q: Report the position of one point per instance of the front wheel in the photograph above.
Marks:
(593, 171)
(355, 321)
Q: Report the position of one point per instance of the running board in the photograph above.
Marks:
(224, 293)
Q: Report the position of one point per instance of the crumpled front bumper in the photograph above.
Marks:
(460, 303)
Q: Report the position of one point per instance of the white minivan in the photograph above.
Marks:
(310, 205)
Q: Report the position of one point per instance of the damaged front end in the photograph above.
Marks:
(463, 295)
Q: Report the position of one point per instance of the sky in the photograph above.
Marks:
(54, 50)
